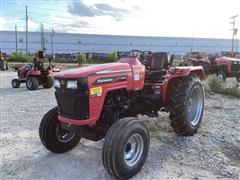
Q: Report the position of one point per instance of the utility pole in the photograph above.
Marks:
(26, 30)
(234, 31)
(236, 44)
(41, 38)
(192, 41)
(43, 48)
(52, 34)
(16, 38)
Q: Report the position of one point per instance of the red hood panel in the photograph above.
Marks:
(228, 59)
(98, 69)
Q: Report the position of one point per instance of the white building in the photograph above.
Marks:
(72, 43)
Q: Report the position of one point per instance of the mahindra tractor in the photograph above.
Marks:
(222, 66)
(35, 74)
(103, 101)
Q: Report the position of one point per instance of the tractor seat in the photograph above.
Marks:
(157, 62)
(39, 65)
(156, 67)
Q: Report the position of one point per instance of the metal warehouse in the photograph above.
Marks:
(73, 43)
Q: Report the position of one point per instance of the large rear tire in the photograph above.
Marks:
(48, 82)
(186, 105)
(53, 137)
(205, 67)
(125, 148)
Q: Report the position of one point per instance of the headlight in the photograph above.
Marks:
(56, 83)
(72, 85)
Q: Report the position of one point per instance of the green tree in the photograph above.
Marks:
(19, 57)
(81, 58)
(112, 57)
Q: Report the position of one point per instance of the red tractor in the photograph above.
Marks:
(35, 74)
(103, 101)
(222, 66)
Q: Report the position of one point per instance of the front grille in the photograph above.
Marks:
(236, 66)
(73, 104)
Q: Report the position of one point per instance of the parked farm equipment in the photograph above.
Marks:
(35, 74)
(103, 101)
(222, 66)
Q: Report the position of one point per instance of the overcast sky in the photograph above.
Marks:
(178, 18)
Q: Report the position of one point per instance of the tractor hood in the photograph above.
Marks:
(92, 70)
(229, 59)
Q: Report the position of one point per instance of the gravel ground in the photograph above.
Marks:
(212, 153)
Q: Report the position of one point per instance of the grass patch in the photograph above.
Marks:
(218, 86)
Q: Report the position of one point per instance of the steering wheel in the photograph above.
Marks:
(142, 56)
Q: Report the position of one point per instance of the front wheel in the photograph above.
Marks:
(238, 78)
(48, 82)
(125, 148)
(186, 105)
(15, 83)
(221, 75)
(32, 83)
(53, 137)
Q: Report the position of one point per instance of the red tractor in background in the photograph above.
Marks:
(222, 66)
(103, 101)
(35, 74)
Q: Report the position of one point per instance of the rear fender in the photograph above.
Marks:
(180, 73)
(34, 73)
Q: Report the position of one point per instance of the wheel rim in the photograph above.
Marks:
(238, 79)
(63, 135)
(14, 84)
(29, 83)
(195, 106)
(133, 150)
(220, 77)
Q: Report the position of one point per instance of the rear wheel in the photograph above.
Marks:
(32, 83)
(125, 148)
(186, 105)
(2, 66)
(48, 82)
(53, 137)
(221, 75)
(205, 67)
(15, 83)
(238, 78)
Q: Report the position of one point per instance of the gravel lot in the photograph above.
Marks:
(212, 153)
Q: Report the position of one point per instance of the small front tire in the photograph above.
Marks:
(15, 83)
(32, 83)
(48, 82)
(238, 78)
(125, 148)
(221, 75)
(53, 137)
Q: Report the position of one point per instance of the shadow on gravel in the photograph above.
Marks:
(76, 164)
(12, 91)
(232, 151)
